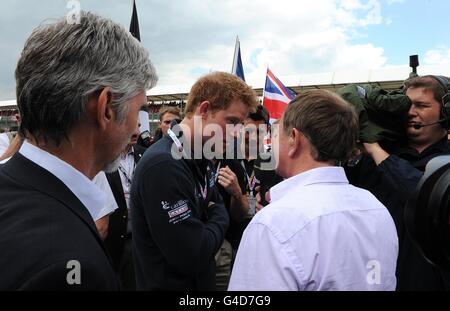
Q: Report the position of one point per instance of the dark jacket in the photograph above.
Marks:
(236, 228)
(393, 182)
(118, 220)
(43, 227)
(176, 234)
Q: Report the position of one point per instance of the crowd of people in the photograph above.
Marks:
(84, 204)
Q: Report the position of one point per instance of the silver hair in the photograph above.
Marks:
(63, 65)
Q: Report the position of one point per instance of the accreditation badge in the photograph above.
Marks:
(251, 204)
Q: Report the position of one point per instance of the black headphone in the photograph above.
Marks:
(427, 213)
(445, 101)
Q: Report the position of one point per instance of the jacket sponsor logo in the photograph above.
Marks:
(178, 211)
(165, 205)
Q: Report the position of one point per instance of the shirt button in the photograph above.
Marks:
(122, 237)
(124, 217)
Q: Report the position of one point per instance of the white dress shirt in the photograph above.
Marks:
(126, 172)
(102, 182)
(318, 233)
(92, 197)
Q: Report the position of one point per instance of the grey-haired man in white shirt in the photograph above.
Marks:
(318, 232)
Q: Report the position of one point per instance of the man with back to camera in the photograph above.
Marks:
(179, 220)
(318, 232)
(79, 90)
(393, 175)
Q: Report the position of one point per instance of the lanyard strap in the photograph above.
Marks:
(217, 171)
(125, 174)
(203, 190)
(251, 180)
(177, 142)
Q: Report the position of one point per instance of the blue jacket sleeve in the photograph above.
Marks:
(401, 175)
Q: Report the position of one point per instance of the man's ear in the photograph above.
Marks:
(295, 142)
(105, 113)
(204, 108)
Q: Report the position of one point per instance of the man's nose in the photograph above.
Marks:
(412, 112)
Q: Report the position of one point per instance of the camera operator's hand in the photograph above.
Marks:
(376, 152)
(259, 205)
(228, 180)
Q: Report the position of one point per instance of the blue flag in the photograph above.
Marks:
(238, 69)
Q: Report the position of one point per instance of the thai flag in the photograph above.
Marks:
(238, 69)
(276, 96)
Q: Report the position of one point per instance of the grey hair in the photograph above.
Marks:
(63, 65)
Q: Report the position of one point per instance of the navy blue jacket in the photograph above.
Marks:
(176, 233)
(393, 182)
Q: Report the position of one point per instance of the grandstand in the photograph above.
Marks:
(157, 101)
(388, 78)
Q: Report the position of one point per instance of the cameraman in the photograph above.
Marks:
(393, 176)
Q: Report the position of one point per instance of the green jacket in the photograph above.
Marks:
(382, 114)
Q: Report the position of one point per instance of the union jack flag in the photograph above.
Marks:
(276, 96)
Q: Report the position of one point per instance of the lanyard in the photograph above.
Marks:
(125, 175)
(217, 171)
(203, 190)
(251, 180)
(177, 142)
(124, 172)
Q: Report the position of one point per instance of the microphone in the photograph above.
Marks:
(418, 126)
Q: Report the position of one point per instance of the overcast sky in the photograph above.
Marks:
(187, 38)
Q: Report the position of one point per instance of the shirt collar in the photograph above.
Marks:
(92, 197)
(129, 153)
(331, 174)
